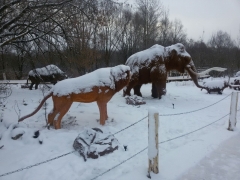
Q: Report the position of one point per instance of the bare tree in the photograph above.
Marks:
(23, 22)
(221, 40)
(22, 18)
(164, 29)
(223, 48)
(177, 33)
(150, 12)
(82, 26)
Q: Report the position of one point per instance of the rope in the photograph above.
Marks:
(119, 164)
(158, 143)
(130, 125)
(194, 130)
(173, 114)
(67, 153)
(28, 167)
(196, 109)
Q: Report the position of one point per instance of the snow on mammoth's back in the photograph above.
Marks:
(146, 56)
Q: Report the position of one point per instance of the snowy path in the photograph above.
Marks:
(221, 164)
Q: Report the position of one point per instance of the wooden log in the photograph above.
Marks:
(153, 121)
(233, 112)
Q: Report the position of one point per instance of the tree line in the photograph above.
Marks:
(81, 36)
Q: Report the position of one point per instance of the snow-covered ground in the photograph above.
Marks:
(179, 158)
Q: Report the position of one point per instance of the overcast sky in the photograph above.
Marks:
(208, 16)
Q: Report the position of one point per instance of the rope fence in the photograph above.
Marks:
(37, 164)
(196, 109)
(159, 143)
(28, 167)
(174, 114)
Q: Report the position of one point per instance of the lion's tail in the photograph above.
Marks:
(37, 109)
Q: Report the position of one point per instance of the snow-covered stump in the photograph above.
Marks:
(233, 111)
(153, 140)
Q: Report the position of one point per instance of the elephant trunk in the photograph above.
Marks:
(194, 75)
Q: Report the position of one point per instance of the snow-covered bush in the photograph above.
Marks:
(93, 143)
(134, 100)
(237, 74)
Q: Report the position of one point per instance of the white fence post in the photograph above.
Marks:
(153, 140)
(233, 111)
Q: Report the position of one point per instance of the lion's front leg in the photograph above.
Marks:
(103, 112)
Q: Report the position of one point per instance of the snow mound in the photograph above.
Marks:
(237, 74)
(92, 143)
(215, 84)
(134, 100)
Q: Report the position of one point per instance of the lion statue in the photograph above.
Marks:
(99, 85)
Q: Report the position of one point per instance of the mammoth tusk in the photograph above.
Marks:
(194, 77)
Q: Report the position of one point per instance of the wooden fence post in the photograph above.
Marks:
(233, 111)
(153, 140)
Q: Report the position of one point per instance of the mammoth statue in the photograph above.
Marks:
(50, 73)
(151, 66)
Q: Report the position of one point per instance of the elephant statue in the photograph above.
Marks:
(151, 66)
(50, 73)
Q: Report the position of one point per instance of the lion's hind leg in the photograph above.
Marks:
(103, 111)
(60, 113)
(61, 106)
(51, 116)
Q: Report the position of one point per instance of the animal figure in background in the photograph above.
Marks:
(152, 65)
(237, 74)
(50, 73)
(99, 85)
(216, 86)
(236, 84)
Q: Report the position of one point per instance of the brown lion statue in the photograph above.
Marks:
(152, 65)
(99, 85)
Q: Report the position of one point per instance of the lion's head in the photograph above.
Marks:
(121, 75)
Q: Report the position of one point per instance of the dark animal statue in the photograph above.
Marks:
(99, 85)
(152, 65)
(236, 84)
(50, 73)
(216, 86)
